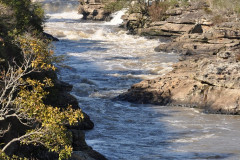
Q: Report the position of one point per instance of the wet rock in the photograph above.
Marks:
(87, 155)
(78, 140)
(81, 151)
(50, 37)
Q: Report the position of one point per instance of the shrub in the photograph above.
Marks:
(27, 14)
(157, 11)
(115, 6)
(22, 97)
(138, 8)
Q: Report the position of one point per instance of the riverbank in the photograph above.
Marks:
(35, 104)
(104, 62)
(207, 74)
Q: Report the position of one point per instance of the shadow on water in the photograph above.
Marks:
(81, 46)
(122, 130)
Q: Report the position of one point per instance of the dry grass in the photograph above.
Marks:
(230, 6)
(157, 11)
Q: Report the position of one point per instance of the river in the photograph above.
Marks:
(102, 62)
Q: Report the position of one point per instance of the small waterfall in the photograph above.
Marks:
(104, 62)
(117, 17)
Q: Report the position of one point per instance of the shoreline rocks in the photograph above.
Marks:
(81, 151)
(207, 75)
(59, 96)
(93, 10)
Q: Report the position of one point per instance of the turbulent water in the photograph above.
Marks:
(103, 62)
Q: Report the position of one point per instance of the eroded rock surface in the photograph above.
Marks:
(208, 72)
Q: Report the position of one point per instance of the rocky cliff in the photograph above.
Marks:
(17, 18)
(60, 96)
(207, 74)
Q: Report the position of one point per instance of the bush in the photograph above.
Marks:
(27, 14)
(157, 11)
(115, 6)
(138, 8)
(22, 96)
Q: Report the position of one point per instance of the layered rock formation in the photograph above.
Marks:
(207, 74)
(93, 10)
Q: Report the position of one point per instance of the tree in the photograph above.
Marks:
(22, 97)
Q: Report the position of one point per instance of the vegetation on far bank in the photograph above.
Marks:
(115, 5)
(157, 9)
(25, 60)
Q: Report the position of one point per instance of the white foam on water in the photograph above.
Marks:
(194, 139)
(117, 17)
(99, 35)
(65, 15)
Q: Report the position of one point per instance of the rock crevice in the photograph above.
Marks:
(207, 74)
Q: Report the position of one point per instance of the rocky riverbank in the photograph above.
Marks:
(60, 96)
(208, 72)
(24, 19)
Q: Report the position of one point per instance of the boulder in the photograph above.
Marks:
(81, 151)
(94, 11)
(213, 87)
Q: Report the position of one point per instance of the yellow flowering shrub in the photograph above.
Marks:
(49, 122)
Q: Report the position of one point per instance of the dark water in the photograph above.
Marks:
(103, 62)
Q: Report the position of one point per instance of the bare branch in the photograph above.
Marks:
(4, 131)
(21, 138)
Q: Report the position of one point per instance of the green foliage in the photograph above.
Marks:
(50, 122)
(172, 2)
(40, 49)
(52, 133)
(208, 10)
(115, 6)
(3, 156)
(27, 14)
(17, 17)
(138, 8)
(23, 97)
